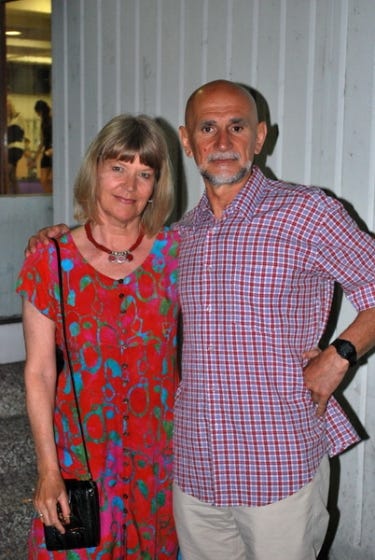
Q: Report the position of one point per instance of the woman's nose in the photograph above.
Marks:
(130, 183)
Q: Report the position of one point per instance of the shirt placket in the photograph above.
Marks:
(211, 329)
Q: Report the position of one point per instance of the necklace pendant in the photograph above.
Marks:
(119, 257)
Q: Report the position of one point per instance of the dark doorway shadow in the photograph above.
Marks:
(179, 177)
(264, 115)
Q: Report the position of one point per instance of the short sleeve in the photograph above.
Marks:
(348, 254)
(38, 281)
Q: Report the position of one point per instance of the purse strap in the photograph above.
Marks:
(62, 308)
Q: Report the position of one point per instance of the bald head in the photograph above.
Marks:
(222, 134)
(218, 87)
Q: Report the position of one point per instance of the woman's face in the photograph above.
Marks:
(124, 189)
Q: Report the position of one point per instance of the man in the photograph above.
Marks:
(253, 422)
(254, 416)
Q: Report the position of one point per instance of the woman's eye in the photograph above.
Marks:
(146, 175)
(116, 168)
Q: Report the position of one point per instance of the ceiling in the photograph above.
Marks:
(32, 19)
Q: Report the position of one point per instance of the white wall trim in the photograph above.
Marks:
(12, 348)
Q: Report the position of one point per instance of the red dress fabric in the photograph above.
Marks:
(122, 336)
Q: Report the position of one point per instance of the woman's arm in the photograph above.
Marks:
(40, 382)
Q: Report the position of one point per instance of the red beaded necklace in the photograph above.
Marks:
(118, 257)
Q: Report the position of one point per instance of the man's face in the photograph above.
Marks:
(222, 134)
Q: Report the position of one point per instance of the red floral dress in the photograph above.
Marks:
(122, 336)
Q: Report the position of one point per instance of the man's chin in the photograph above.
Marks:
(219, 179)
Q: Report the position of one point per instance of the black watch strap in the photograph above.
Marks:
(346, 350)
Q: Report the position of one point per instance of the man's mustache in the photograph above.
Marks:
(223, 155)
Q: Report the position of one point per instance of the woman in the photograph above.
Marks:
(43, 110)
(120, 278)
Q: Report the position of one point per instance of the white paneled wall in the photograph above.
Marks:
(314, 63)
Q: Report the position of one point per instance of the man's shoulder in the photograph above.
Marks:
(297, 193)
(187, 220)
(285, 187)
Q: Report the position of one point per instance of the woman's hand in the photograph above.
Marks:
(50, 493)
(43, 236)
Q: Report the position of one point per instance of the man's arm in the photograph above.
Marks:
(324, 373)
(43, 236)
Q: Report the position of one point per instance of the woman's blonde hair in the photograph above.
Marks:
(123, 138)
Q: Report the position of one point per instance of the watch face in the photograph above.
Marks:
(346, 350)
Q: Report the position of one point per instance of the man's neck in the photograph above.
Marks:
(220, 197)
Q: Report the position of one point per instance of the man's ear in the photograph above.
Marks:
(184, 138)
(261, 136)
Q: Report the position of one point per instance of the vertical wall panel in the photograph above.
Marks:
(270, 62)
(216, 38)
(109, 74)
(244, 48)
(359, 103)
(148, 56)
(293, 132)
(312, 60)
(328, 95)
(194, 48)
(129, 57)
(90, 75)
(170, 60)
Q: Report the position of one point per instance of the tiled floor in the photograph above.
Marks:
(17, 466)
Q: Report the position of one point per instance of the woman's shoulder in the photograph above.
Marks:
(167, 243)
(45, 256)
(169, 234)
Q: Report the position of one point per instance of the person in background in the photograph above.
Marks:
(121, 310)
(255, 419)
(45, 149)
(30, 156)
(16, 144)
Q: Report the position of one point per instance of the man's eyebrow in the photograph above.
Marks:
(210, 122)
(239, 120)
(234, 120)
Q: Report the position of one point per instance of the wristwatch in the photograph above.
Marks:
(346, 350)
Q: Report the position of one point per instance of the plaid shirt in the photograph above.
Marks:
(256, 289)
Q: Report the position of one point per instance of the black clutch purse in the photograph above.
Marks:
(83, 529)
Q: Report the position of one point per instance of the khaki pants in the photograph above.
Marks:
(291, 529)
